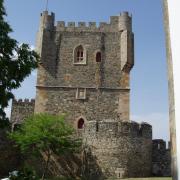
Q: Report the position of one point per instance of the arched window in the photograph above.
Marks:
(80, 123)
(98, 57)
(79, 54)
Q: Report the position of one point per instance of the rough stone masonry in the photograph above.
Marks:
(84, 73)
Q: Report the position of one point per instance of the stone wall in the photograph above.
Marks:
(99, 104)
(128, 145)
(21, 110)
(161, 158)
(121, 149)
(10, 158)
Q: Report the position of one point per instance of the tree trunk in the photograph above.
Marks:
(46, 165)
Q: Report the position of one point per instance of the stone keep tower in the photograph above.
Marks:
(84, 72)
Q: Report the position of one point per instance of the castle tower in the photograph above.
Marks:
(84, 72)
(84, 69)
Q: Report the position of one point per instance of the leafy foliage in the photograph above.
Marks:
(46, 134)
(43, 132)
(16, 62)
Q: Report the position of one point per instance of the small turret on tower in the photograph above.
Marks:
(47, 21)
(127, 42)
(125, 22)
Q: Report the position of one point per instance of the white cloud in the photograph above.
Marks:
(159, 122)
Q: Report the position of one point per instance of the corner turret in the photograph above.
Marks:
(125, 22)
(46, 23)
(127, 42)
(46, 47)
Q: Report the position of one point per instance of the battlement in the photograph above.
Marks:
(113, 128)
(160, 144)
(117, 23)
(89, 25)
(82, 26)
(25, 101)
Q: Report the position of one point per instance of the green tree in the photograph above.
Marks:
(16, 62)
(46, 134)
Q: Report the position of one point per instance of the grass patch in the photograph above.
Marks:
(159, 178)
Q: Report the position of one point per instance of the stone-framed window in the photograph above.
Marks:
(120, 173)
(98, 57)
(81, 93)
(79, 55)
(80, 123)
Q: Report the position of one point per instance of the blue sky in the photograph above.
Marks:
(149, 91)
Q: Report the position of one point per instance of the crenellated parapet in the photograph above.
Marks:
(160, 144)
(24, 102)
(117, 23)
(83, 26)
(115, 129)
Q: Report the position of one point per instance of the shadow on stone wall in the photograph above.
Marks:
(90, 169)
(10, 158)
(161, 159)
(74, 166)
